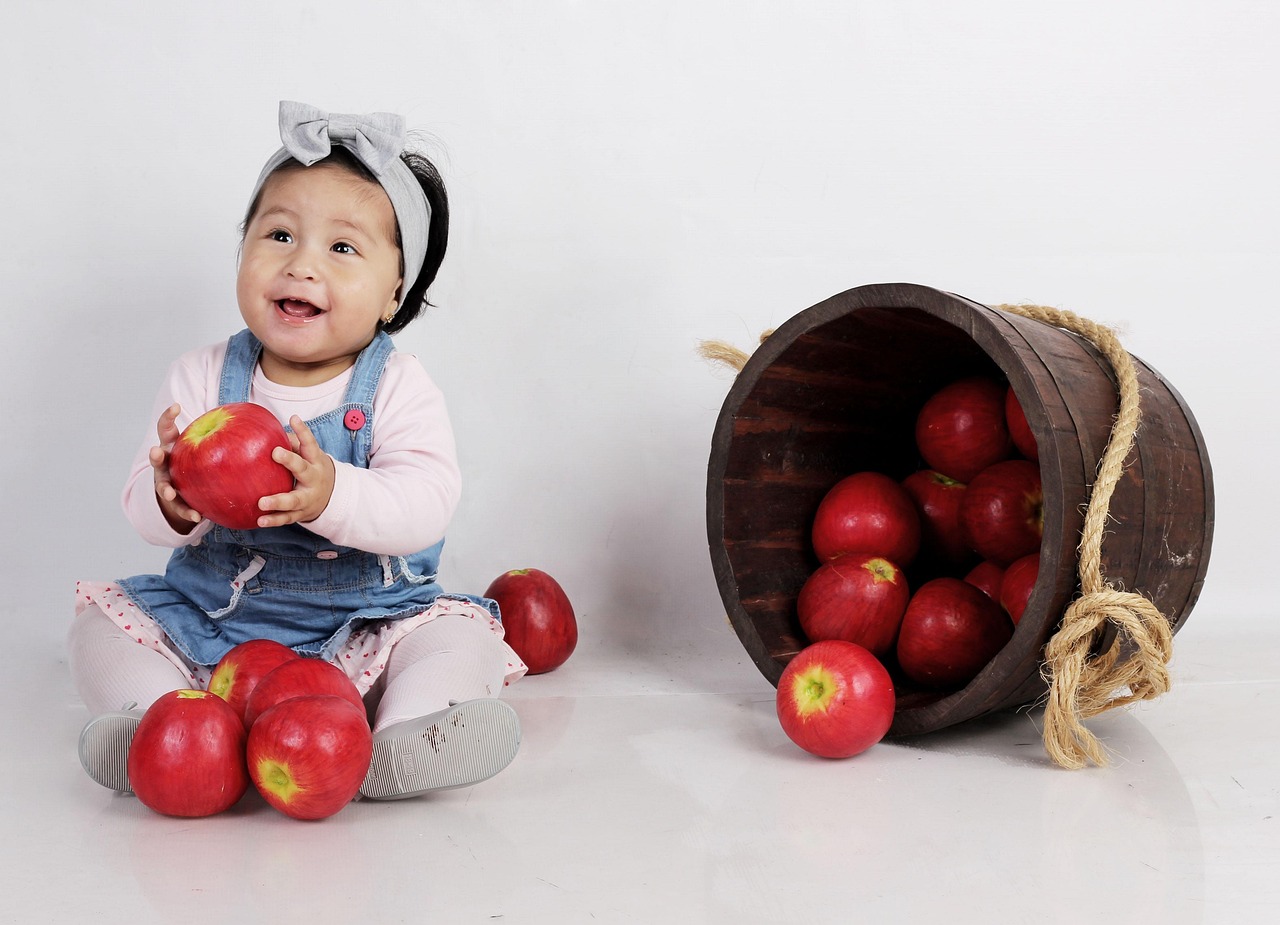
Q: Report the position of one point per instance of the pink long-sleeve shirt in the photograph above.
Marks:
(401, 504)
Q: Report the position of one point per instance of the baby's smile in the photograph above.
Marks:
(298, 308)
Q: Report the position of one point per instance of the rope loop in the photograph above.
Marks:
(1081, 684)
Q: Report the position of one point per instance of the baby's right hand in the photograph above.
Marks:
(181, 517)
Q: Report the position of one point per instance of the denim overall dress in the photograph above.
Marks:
(286, 583)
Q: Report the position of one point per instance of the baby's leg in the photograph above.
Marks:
(451, 659)
(117, 678)
(111, 668)
(439, 723)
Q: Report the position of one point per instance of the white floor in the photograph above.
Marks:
(656, 786)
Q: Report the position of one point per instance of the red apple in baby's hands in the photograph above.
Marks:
(309, 755)
(537, 618)
(1019, 429)
(239, 671)
(950, 631)
(937, 499)
(297, 678)
(856, 597)
(987, 576)
(221, 463)
(187, 755)
(1002, 514)
(835, 699)
(1019, 581)
(867, 512)
(961, 429)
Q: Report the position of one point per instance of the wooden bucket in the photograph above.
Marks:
(836, 389)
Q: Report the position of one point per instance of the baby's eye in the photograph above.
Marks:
(342, 247)
(279, 234)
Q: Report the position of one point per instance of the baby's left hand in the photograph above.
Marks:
(313, 472)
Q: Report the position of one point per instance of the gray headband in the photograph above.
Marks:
(376, 140)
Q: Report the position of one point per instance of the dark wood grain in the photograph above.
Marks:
(835, 390)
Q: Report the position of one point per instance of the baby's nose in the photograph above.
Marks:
(301, 266)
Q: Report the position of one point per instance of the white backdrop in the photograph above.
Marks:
(628, 178)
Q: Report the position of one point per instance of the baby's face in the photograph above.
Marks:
(319, 269)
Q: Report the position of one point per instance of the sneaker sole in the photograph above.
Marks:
(104, 749)
(457, 747)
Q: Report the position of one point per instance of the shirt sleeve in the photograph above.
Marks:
(404, 501)
(192, 382)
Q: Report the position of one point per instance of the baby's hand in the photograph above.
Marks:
(313, 471)
(180, 516)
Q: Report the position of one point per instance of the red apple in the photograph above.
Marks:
(239, 671)
(867, 512)
(987, 576)
(187, 755)
(937, 499)
(536, 616)
(297, 678)
(309, 755)
(961, 429)
(856, 597)
(1003, 511)
(835, 699)
(1019, 582)
(221, 464)
(949, 632)
(1019, 429)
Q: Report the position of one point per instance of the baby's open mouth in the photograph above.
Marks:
(297, 308)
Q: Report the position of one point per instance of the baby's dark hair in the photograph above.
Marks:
(414, 301)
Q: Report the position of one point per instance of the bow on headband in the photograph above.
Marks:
(376, 140)
(308, 134)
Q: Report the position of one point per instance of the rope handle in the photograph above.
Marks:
(1080, 685)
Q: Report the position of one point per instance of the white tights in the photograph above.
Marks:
(111, 668)
(452, 658)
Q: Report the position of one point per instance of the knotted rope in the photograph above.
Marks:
(1082, 685)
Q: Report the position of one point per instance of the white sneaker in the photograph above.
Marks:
(459, 746)
(104, 747)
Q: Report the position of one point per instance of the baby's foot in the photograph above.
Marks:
(104, 747)
(462, 745)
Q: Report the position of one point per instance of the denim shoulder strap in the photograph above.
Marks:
(368, 371)
(243, 350)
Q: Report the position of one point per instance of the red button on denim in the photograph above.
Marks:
(354, 419)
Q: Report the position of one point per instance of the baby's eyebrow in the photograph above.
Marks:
(354, 226)
(279, 210)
